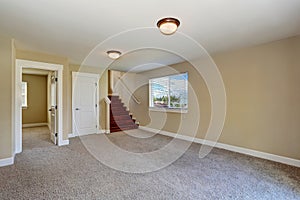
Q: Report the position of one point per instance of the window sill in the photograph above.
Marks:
(171, 110)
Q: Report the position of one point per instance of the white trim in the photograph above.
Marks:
(49, 99)
(90, 75)
(107, 114)
(107, 131)
(13, 97)
(71, 135)
(101, 131)
(250, 152)
(34, 125)
(18, 109)
(74, 79)
(35, 72)
(63, 142)
(171, 110)
(20, 64)
(7, 161)
(107, 100)
(24, 104)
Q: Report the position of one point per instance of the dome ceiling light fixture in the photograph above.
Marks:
(114, 54)
(168, 25)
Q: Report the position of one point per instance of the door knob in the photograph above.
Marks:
(76, 108)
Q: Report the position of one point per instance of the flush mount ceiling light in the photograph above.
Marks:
(168, 25)
(113, 54)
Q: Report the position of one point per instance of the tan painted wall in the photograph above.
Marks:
(262, 85)
(13, 61)
(36, 112)
(199, 102)
(263, 95)
(103, 87)
(6, 77)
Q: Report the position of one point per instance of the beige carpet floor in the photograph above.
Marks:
(45, 171)
(36, 137)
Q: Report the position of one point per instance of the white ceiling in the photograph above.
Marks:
(72, 28)
(145, 59)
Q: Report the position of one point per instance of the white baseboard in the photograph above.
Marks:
(101, 131)
(71, 135)
(107, 131)
(6, 161)
(34, 125)
(63, 143)
(258, 154)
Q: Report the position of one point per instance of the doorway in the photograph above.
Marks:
(56, 70)
(36, 96)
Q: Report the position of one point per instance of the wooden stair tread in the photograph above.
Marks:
(120, 117)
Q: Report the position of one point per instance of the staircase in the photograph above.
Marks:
(120, 118)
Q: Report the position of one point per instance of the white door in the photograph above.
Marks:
(53, 109)
(85, 103)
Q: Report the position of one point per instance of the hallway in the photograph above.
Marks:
(36, 137)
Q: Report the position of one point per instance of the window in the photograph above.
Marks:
(24, 94)
(169, 92)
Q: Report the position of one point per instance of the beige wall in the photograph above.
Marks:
(199, 102)
(261, 82)
(263, 95)
(103, 87)
(13, 61)
(6, 89)
(36, 111)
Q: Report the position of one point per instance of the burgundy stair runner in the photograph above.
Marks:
(119, 117)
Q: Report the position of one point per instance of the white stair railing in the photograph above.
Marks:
(128, 91)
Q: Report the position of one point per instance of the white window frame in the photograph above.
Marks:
(168, 109)
(25, 103)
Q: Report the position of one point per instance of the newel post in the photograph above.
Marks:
(107, 101)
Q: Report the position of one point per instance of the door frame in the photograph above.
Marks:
(20, 64)
(89, 75)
